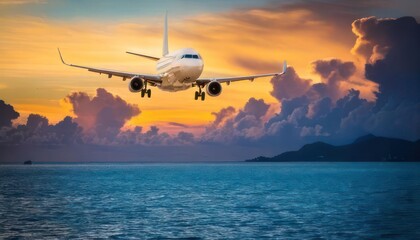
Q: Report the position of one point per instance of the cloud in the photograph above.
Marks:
(254, 107)
(391, 48)
(36, 123)
(38, 131)
(333, 72)
(222, 116)
(152, 137)
(7, 114)
(230, 126)
(103, 115)
(329, 112)
(303, 120)
(67, 131)
(99, 122)
(289, 85)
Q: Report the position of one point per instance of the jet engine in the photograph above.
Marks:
(214, 88)
(136, 84)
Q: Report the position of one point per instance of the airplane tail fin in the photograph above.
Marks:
(165, 36)
(284, 66)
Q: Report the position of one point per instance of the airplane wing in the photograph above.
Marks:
(228, 80)
(154, 79)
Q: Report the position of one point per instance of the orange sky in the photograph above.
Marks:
(35, 81)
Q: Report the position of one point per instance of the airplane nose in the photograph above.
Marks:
(193, 70)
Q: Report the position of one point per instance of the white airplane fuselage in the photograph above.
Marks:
(179, 69)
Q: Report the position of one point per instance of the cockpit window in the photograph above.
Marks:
(191, 56)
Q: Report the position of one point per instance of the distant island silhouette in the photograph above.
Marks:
(368, 148)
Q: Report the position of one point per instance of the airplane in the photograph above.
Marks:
(177, 71)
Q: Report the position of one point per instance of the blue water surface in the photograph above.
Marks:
(222, 201)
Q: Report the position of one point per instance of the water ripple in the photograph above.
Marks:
(216, 201)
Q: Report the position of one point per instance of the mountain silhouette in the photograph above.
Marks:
(368, 148)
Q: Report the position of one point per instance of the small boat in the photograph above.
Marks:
(29, 162)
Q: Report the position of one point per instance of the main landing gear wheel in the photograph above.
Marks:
(146, 91)
(200, 94)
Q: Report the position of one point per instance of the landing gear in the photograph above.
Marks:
(145, 91)
(200, 94)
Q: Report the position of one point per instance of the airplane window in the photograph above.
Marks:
(195, 56)
(188, 56)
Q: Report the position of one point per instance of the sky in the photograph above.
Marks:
(353, 70)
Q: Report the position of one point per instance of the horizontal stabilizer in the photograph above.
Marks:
(145, 56)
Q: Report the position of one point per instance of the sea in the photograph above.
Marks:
(210, 201)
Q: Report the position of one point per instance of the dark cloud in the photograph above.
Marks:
(334, 70)
(254, 107)
(67, 131)
(38, 131)
(152, 137)
(36, 123)
(341, 13)
(7, 114)
(185, 138)
(303, 120)
(222, 115)
(229, 127)
(391, 48)
(332, 73)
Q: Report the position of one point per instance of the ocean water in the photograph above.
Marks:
(211, 201)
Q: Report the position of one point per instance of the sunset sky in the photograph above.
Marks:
(233, 37)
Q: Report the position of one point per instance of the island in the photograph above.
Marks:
(368, 148)
(29, 162)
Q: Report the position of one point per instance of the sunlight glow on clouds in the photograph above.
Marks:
(326, 93)
(30, 55)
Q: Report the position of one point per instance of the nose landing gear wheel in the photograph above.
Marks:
(149, 93)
